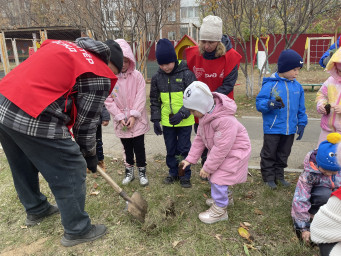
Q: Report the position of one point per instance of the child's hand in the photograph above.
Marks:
(322, 109)
(105, 123)
(184, 164)
(204, 174)
(306, 236)
(130, 123)
(337, 109)
(123, 123)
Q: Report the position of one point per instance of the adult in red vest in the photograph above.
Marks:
(61, 86)
(214, 61)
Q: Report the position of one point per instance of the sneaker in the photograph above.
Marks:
(95, 232)
(102, 165)
(170, 180)
(271, 184)
(185, 183)
(284, 183)
(213, 214)
(143, 177)
(129, 175)
(34, 219)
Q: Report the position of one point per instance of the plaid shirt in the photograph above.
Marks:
(89, 93)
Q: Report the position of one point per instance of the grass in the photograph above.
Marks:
(172, 226)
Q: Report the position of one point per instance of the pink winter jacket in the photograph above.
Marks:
(228, 143)
(128, 98)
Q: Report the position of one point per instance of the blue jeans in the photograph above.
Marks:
(178, 143)
(61, 164)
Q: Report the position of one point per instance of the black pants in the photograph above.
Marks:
(204, 153)
(135, 146)
(99, 143)
(274, 155)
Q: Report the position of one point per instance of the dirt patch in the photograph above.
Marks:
(26, 249)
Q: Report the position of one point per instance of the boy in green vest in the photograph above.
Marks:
(166, 94)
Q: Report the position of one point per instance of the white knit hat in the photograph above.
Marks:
(211, 28)
(198, 96)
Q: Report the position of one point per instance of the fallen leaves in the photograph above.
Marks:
(244, 233)
(94, 193)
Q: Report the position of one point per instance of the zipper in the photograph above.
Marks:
(170, 98)
(288, 107)
(273, 122)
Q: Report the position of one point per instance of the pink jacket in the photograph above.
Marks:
(128, 98)
(228, 143)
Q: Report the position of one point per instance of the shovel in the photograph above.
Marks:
(137, 206)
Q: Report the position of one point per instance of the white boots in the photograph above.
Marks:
(213, 214)
(129, 172)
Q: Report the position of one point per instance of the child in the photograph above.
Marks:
(320, 177)
(281, 102)
(166, 92)
(329, 98)
(103, 120)
(127, 105)
(326, 226)
(228, 143)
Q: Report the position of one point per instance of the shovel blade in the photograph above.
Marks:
(138, 207)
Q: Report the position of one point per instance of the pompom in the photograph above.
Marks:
(334, 137)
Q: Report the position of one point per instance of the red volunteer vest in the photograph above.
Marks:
(212, 72)
(50, 73)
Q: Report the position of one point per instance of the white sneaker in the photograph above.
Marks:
(143, 177)
(213, 214)
(129, 175)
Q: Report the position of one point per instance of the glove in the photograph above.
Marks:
(273, 104)
(300, 131)
(91, 163)
(176, 119)
(157, 128)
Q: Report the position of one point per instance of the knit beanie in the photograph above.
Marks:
(165, 52)
(211, 29)
(288, 60)
(116, 54)
(198, 96)
(327, 153)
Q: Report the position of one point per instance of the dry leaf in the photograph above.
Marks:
(247, 224)
(244, 233)
(175, 243)
(243, 226)
(259, 212)
(218, 236)
(23, 227)
(95, 185)
(94, 193)
(206, 196)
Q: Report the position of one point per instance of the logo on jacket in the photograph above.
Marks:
(189, 92)
(198, 72)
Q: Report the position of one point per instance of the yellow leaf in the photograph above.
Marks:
(243, 233)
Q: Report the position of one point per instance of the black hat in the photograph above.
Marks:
(288, 60)
(165, 52)
(116, 54)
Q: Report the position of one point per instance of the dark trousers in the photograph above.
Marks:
(178, 144)
(99, 143)
(274, 155)
(319, 196)
(135, 146)
(204, 153)
(61, 164)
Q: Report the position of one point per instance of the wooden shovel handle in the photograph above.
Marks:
(109, 180)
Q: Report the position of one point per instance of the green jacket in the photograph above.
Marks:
(166, 95)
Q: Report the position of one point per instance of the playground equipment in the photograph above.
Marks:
(185, 42)
(315, 47)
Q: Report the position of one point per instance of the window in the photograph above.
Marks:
(172, 16)
(171, 35)
(183, 11)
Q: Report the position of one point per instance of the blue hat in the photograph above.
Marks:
(288, 60)
(165, 52)
(326, 154)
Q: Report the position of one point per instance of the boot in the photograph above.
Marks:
(284, 183)
(94, 233)
(271, 184)
(102, 165)
(129, 175)
(213, 214)
(142, 175)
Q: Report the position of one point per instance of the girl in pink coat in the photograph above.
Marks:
(228, 143)
(127, 105)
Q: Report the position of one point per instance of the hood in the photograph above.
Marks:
(331, 68)
(128, 53)
(224, 106)
(97, 47)
(226, 42)
(275, 77)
